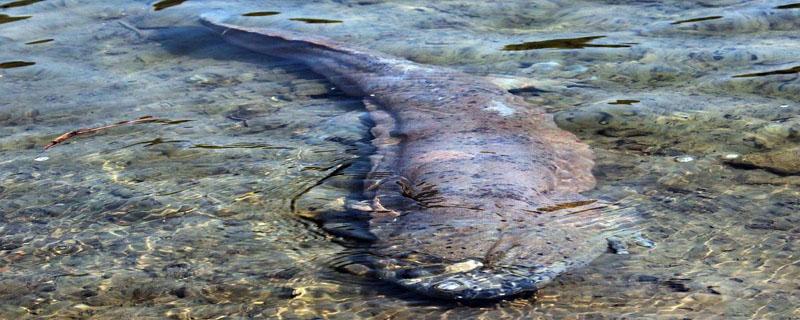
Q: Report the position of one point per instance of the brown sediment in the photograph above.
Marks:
(624, 101)
(19, 3)
(83, 131)
(566, 43)
(15, 64)
(313, 20)
(166, 4)
(4, 18)
(789, 6)
(769, 73)
(261, 13)
(39, 41)
(697, 19)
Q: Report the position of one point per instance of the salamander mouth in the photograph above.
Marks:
(468, 279)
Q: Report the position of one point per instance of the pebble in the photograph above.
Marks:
(40, 159)
(617, 245)
(684, 159)
(731, 156)
(641, 241)
(464, 266)
(357, 269)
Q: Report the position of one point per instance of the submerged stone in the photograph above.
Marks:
(783, 162)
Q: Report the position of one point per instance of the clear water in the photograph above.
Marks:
(203, 219)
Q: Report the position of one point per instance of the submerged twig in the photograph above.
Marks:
(82, 131)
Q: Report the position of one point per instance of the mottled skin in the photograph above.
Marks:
(467, 180)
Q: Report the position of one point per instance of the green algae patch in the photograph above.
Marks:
(789, 6)
(161, 5)
(697, 19)
(566, 43)
(39, 41)
(261, 13)
(770, 73)
(4, 18)
(313, 20)
(15, 64)
(19, 3)
(624, 101)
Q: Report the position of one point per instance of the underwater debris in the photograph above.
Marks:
(154, 142)
(789, 6)
(19, 3)
(145, 119)
(239, 146)
(161, 5)
(769, 73)
(4, 18)
(697, 19)
(39, 41)
(15, 64)
(566, 205)
(566, 43)
(313, 20)
(261, 13)
(532, 91)
(624, 101)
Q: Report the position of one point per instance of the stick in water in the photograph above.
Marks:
(82, 131)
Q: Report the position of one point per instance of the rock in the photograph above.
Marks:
(121, 192)
(617, 245)
(357, 269)
(641, 241)
(285, 292)
(783, 162)
(678, 285)
(178, 270)
(770, 224)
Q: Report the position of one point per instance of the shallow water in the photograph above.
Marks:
(692, 118)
